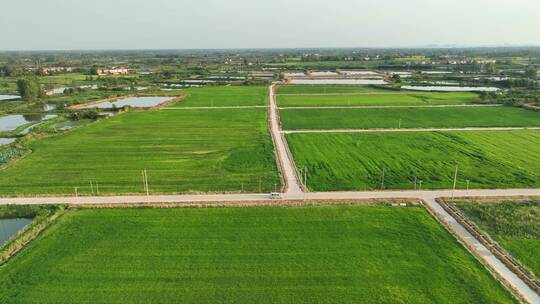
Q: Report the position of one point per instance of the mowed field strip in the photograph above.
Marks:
(217, 150)
(393, 160)
(323, 254)
(358, 118)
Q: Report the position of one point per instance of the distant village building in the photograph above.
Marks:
(52, 70)
(112, 71)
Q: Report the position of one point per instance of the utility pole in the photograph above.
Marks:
(146, 183)
(305, 177)
(76, 194)
(143, 181)
(455, 182)
(382, 179)
(468, 181)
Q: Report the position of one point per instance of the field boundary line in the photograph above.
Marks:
(208, 108)
(391, 107)
(410, 130)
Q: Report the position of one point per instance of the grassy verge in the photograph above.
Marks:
(488, 159)
(299, 119)
(323, 254)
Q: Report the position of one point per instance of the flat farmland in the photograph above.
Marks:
(514, 225)
(328, 89)
(322, 254)
(451, 117)
(224, 96)
(356, 161)
(213, 150)
(385, 98)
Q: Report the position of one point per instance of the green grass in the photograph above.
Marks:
(198, 150)
(385, 98)
(357, 118)
(224, 96)
(514, 225)
(489, 159)
(324, 254)
(327, 89)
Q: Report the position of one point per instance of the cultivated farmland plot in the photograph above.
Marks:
(323, 254)
(298, 119)
(224, 96)
(487, 159)
(213, 150)
(383, 98)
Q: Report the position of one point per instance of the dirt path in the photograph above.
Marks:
(288, 169)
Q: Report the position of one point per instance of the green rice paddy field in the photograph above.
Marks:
(358, 118)
(355, 161)
(224, 96)
(213, 150)
(329, 89)
(383, 98)
(318, 254)
(514, 225)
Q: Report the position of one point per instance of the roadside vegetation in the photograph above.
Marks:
(317, 254)
(515, 225)
(394, 160)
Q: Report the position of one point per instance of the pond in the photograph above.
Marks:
(9, 97)
(450, 89)
(337, 81)
(12, 122)
(49, 107)
(10, 227)
(136, 102)
(6, 141)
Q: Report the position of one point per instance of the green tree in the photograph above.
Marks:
(531, 72)
(29, 89)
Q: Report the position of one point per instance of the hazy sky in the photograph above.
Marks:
(172, 24)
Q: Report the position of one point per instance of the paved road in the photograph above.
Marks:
(390, 107)
(410, 130)
(287, 165)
